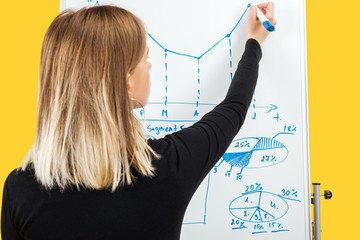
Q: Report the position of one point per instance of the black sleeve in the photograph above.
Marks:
(8, 229)
(200, 146)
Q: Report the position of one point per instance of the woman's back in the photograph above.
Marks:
(151, 208)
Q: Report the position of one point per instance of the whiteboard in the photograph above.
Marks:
(195, 47)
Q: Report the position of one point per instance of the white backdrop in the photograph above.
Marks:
(260, 188)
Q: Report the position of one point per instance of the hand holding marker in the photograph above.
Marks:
(261, 21)
(266, 23)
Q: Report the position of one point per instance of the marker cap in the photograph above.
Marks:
(268, 26)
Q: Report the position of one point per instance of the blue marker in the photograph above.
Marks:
(266, 23)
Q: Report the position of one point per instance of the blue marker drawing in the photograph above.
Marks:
(182, 103)
(285, 230)
(269, 108)
(166, 81)
(208, 50)
(282, 133)
(196, 113)
(259, 232)
(272, 107)
(96, 3)
(277, 117)
(253, 152)
(230, 53)
(258, 207)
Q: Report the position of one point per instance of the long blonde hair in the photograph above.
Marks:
(86, 132)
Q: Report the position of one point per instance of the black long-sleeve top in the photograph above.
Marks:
(152, 208)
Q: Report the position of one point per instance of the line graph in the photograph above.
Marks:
(198, 58)
(206, 51)
(198, 104)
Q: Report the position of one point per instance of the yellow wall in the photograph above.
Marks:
(334, 91)
(334, 116)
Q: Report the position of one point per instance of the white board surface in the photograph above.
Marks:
(195, 47)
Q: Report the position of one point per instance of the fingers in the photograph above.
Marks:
(269, 12)
(269, 7)
(263, 11)
(252, 14)
(264, 5)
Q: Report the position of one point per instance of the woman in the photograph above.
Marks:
(90, 173)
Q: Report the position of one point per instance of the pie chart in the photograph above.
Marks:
(258, 207)
(255, 152)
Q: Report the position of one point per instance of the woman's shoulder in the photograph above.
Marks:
(19, 179)
(18, 174)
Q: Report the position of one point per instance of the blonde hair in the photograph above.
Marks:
(86, 132)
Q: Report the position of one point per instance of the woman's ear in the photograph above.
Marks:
(130, 85)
